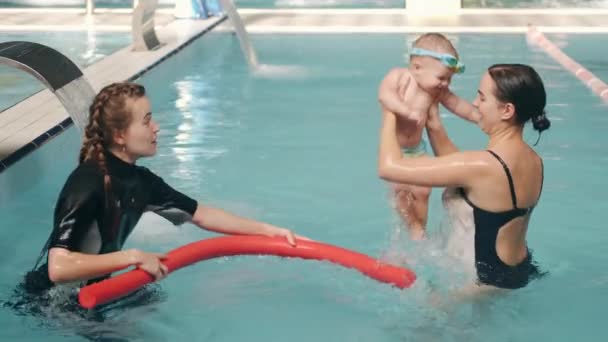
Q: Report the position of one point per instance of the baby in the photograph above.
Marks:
(409, 93)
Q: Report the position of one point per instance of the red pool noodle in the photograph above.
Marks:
(125, 283)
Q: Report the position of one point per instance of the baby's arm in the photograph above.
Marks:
(459, 106)
(391, 92)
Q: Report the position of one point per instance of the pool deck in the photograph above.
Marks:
(32, 122)
(66, 19)
(399, 21)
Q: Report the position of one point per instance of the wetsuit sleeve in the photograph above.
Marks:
(168, 202)
(77, 208)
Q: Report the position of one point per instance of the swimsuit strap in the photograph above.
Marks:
(508, 172)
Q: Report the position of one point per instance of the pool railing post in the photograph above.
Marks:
(142, 26)
(57, 72)
(90, 5)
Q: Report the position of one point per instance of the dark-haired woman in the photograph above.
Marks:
(498, 186)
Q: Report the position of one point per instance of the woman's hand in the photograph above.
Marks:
(433, 121)
(438, 137)
(392, 90)
(151, 263)
(220, 221)
(275, 231)
(402, 83)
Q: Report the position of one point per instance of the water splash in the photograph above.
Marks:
(281, 71)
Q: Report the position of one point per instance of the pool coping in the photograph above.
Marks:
(276, 21)
(73, 20)
(175, 36)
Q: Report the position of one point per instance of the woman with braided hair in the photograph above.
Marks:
(105, 196)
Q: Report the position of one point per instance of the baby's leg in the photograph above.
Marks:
(412, 205)
(412, 201)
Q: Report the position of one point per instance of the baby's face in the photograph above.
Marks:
(433, 76)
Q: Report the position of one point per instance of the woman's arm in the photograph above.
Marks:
(459, 106)
(455, 169)
(223, 222)
(438, 137)
(67, 266)
(392, 89)
(178, 208)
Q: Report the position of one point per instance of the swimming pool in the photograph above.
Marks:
(239, 3)
(299, 150)
(589, 51)
(322, 3)
(83, 48)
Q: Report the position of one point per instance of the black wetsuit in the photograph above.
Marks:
(88, 221)
(490, 269)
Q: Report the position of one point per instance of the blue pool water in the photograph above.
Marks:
(588, 50)
(83, 48)
(299, 150)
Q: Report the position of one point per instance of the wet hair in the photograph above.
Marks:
(521, 86)
(436, 42)
(108, 114)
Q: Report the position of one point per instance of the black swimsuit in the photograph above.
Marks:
(84, 222)
(490, 269)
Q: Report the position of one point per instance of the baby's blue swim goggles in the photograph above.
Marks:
(447, 59)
